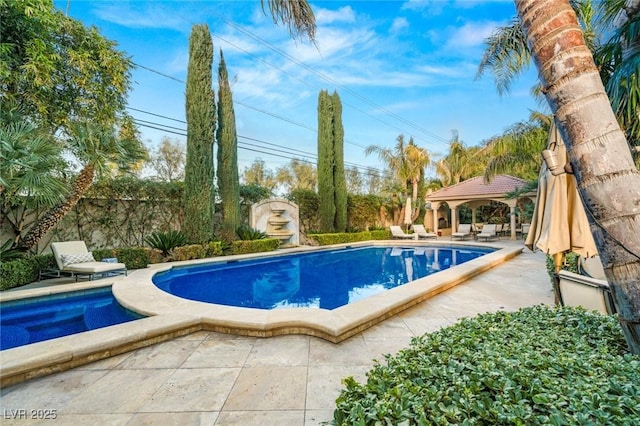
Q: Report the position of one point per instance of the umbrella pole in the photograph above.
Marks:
(557, 263)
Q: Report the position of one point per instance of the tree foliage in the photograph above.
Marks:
(298, 174)
(258, 174)
(168, 160)
(326, 158)
(332, 185)
(339, 179)
(58, 70)
(227, 138)
(201, 122)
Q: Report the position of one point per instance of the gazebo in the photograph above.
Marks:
(475, 192)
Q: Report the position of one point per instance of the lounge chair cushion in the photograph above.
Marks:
(91, 268)
(69, 259)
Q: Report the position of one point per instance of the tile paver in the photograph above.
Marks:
(209, 378)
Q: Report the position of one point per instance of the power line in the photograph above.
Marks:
(331, 80)
(292, 152)
(321, 75)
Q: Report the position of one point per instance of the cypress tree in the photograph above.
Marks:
(325, 163)
(201, 122)
(228, 179)
(339, 180)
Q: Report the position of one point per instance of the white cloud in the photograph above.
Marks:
(398, 25)
(471, 34)
(326, 16)
(153, 16)
(432, 7)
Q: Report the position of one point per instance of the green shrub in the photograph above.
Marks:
(254, 246)
(154, 255)
(132, 257)
(214, 248)
(43, 261)
(350, 237)
(165, 241)
(248, 233)
(16, 273)
(23, 271)
(570, 264)
(539, 365)
(189, 252)
(380, 234)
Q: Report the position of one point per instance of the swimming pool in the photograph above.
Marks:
(139, 293)
(38, 319)
(325, 279)
(169, 316)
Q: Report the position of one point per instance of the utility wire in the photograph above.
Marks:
(331, 80)
(292, 152)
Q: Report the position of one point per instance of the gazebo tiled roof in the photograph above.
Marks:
(476, 188)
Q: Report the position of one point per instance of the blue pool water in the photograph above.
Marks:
(34, 320)
(326, 279)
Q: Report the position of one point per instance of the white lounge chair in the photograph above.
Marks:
(488, 232)
(73, 257)
(422, 233)
(464, 232)
(397, 232)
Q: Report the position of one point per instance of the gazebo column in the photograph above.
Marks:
(454, 218)
(512, 214)
(434, 208)
(473, 215)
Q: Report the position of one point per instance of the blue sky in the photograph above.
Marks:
(400, 67)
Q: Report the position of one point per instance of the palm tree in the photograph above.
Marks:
(394, 159)
(461, 163)
(608, 181)
(617, 58)
(517, 151)
(99, 150)
(29, 161)
(297, 15)
(417, 160)
(406, 162)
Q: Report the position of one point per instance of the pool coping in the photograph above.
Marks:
(171, 316)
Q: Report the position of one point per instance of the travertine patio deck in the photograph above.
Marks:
(213, 378)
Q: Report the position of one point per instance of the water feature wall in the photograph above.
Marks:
(277, 218)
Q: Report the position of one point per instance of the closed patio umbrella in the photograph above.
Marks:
(407, 213)
(559, 222)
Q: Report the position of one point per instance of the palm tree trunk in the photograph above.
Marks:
(608, 181)
(53, 216)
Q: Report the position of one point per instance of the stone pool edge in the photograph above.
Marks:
(166, 318)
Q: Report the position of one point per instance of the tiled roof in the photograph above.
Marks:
(477, 188)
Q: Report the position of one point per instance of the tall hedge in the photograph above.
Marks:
(201, 122)
(339, 180)
(327, 206)
(228, 179)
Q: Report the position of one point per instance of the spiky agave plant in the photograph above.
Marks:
(166, 241)
(247, 233)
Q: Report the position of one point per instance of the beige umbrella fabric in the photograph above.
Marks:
(559, 222)
(407, 213)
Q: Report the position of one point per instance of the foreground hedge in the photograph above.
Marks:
(350, 237)
(254, 246)
(552, 366)
(19, 272)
